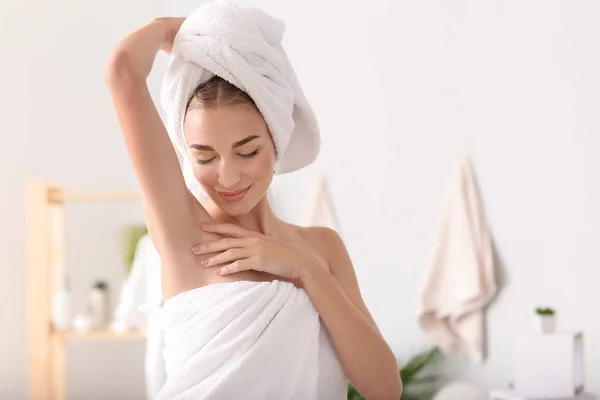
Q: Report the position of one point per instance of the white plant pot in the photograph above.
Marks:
(545, 323)
(99, 307)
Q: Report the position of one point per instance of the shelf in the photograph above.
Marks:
(46, 261)
(100, 335)
(59, 196)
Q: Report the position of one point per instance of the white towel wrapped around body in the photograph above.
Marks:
(248, 340)
(242, 46)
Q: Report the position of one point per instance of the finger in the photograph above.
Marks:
(228, 229)
(234, 267)
(228, 256)
(219, 245)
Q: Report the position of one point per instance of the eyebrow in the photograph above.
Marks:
(236, 144)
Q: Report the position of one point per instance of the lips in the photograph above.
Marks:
(233, 193)
(235, 196)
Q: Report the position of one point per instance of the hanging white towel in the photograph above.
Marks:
(320, 211)
(459, 280)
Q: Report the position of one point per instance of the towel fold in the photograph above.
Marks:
(247, 340)
(459, 280)
(242, 46)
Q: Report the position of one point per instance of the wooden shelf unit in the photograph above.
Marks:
(45, 267)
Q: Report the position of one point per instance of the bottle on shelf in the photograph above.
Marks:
(61, 306)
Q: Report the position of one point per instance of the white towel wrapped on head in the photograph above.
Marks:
(248, 340)
(242, 46)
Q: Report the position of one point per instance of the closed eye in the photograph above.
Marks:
(249, 155)
(202, 162)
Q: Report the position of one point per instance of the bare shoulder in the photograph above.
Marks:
(330, 245)
(326, 242)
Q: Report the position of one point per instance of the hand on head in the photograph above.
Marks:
(171, 26)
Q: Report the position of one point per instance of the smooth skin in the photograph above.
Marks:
(244, 240)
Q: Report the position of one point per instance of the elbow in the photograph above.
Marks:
(116, 65)
(398, 389)
(118, 69)
(393, 387)
(393, 392)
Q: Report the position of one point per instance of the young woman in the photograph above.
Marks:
(234, 235)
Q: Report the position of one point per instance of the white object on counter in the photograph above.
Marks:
(61, 307)
(83, 322)
(549, 365)
(511, 395)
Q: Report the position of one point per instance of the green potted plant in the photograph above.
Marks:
(131, 235)
(545, 319)
(416, 385)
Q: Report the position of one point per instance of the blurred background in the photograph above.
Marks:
(402, 90)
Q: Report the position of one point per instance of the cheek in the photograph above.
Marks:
(206, 176)
(260, 168)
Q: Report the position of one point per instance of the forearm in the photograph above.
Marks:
(365, 356)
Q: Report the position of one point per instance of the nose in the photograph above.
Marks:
(229, 175)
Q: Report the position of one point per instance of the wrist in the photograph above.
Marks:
(314, 269)
(164, 33)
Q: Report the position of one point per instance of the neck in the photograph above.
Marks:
(260, 219)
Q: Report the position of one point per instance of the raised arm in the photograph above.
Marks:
(172, 213)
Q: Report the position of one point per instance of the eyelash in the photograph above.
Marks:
(250, 155)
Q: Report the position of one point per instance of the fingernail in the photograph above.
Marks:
(204, 263)
(218, 272)
(196, 248)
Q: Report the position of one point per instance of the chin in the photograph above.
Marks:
(235, 212)
(236, 209)
(240, 207)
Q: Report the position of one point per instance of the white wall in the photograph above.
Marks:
(401, 90)
(56, 124)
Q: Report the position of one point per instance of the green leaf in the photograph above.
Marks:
(131, 235)
(424, 380)
(417, 363)
(406, 396)
(353, 393)
(101, 285)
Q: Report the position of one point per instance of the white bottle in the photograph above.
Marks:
(61, 307)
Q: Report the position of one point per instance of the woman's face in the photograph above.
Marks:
(233, 155)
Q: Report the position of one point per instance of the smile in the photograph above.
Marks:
(232, 197)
